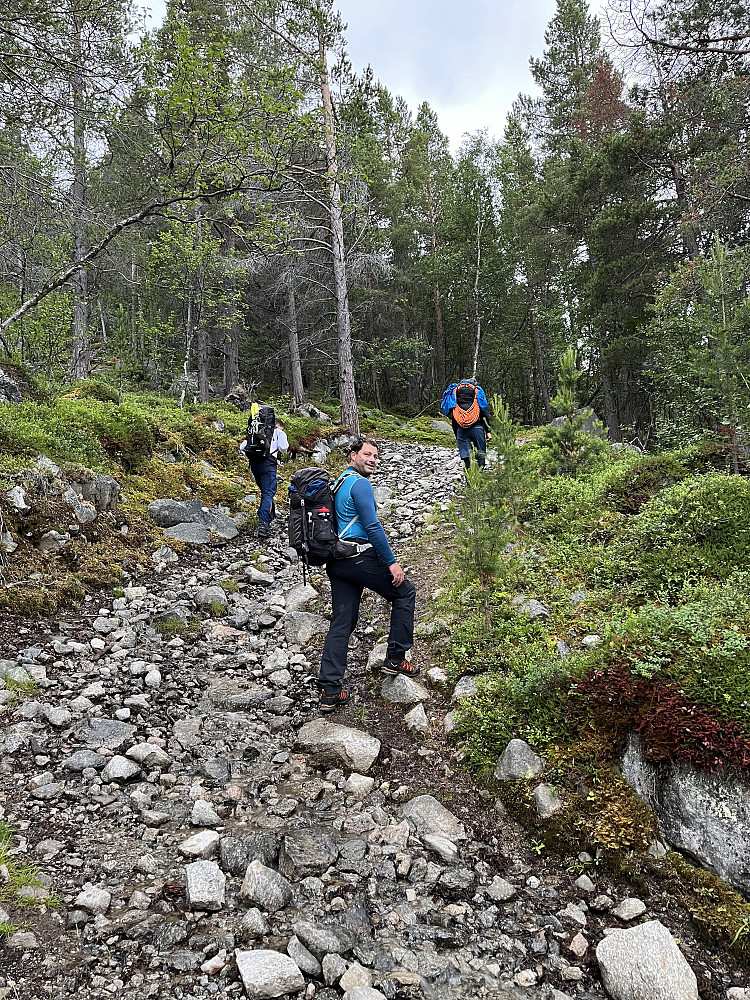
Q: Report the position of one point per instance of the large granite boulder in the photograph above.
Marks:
(705, 815)
(644, 963)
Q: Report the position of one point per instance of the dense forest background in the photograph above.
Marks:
(224, 201)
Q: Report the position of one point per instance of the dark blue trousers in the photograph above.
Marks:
(472, 439)
(349, 577)
(264, 474)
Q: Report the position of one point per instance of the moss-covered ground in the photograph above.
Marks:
(642, 566)
(154, 449)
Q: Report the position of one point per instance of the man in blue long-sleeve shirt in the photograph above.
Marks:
(374, 566)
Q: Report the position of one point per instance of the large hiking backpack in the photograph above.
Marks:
(260, 428)
(466, 410)
(313, 531)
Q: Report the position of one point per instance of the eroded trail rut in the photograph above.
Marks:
(173, 794)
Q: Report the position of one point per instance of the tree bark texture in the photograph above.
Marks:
(81, 355)
(347, 392)
(295, 364)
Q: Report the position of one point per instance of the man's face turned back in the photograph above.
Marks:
(365, 460)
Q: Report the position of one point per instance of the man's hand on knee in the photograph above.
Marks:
(397, 574)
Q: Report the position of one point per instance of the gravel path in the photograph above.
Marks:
(201, 832)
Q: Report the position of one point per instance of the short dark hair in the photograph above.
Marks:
(279, 423)
(361, 442)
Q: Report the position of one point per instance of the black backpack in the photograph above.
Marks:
(313, 531)
(260, 430)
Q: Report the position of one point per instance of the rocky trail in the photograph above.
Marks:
(202, 832)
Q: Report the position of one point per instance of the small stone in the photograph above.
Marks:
(629, 909)
(359, 785)
(93, 900)
(547, 801)
(501, 890)
(517, 762)
(200, 845)
(526, 978)
(204, 814)
(584, 883)
(205, 886)
(333, 967)
(267, 973)
(416, 720)
(119, 768)
(579, 945)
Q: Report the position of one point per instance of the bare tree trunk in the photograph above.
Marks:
(439, 344)
(295, 364)
(201, 334)
(542, 375)
(133, 308)
(347, 392)
(610, 406)
(81, 359)
(232, 336)
(477, 314)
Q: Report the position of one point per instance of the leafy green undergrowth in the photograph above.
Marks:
(420, 430)
(650, 557)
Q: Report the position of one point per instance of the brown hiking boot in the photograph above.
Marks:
(330, 702)
(393, 667)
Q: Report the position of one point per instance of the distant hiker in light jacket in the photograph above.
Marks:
(373, 566)
(262, 448)
(466, 405)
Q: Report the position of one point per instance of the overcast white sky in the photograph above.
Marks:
(468, 58)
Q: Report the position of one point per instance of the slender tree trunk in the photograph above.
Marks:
(201, 334)
(232, 335)
(81, 360)
(477, 313)
(295, 364)
(133, 308)
(542, 375)
(347, 392)
(439, 345)
(610, 406)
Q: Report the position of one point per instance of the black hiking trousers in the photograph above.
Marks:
(349, 577)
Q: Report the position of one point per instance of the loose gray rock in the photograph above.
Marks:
(416, 720)
(501, 890)
(93, 900)
(169, 513)
(324, 939)
(302, 626)
(204, 814)
(351, 747)
(377, 657)
(264, 887)
(644, 963)
(108, 733)
(533, 609)
(53, 542)
(304, 959)
(547, 801)
(363, 993)
(629, 909)
(207, 597)
(82, 759)
(192, 534)
(401, 690)
(268, 974)
(200, 845)
(205, 886)
(254, 925)
(518, 761)
(306, 852)
(465, 688)
(119, 768)
(431, 817)
(299, 597)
